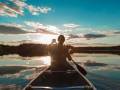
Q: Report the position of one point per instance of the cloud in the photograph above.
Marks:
(35, 25)
(21, 4)
(11, 29)
(71, 26)
(44, 31)
(7, 11)
(117, 32)
(87, 36)
(13, 8)
(94, 35)
(40, 28)
(37, 10)
(109, 32)
(73, 36)
(53, 28)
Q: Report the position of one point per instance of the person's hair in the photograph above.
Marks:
(61, 38)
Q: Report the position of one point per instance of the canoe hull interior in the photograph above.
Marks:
(59, 80)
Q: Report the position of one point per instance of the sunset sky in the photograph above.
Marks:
(78, 17)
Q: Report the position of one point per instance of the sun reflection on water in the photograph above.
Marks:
(46, 60)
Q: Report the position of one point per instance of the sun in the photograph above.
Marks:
(46, 38)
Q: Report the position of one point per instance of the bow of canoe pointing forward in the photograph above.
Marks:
(70, 79)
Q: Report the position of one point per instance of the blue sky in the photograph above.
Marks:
(94, 13)
(63, 16)
(89, 13)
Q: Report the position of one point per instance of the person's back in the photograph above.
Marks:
(59, 53)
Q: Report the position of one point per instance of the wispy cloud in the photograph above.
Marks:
(13, 8)
(34, 25)
(53, 28)
(37, 10)
(71, 26)
(11, 29)
(94, 36)
(28, 27)
(68, 29)
(7, 11)
(87, 36)
(41, 28)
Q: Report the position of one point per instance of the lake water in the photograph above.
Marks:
(103, 70)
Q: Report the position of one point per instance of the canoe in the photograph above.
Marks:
(70, 79)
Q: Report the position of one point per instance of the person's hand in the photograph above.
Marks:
(71, 51)
(70, 59)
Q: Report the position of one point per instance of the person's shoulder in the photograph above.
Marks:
(68, 46)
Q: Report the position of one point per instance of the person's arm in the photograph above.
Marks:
(69, 56)
(69, 51)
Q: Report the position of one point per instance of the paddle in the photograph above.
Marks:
(81, 69)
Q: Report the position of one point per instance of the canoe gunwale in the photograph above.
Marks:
(90, 86)
(29, 84)
(72, 87)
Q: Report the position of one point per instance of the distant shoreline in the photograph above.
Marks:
(30, 49)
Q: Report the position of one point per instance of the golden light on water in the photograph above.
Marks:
(46, 60)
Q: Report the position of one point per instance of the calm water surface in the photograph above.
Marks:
(103, 70)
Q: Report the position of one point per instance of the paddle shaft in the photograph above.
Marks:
(81, 69)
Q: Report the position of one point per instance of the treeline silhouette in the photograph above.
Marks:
(102, 49)
(30, 49)
(24, 50)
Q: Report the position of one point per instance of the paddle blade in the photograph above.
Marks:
(81, 69)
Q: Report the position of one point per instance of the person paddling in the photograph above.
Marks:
(59, 54)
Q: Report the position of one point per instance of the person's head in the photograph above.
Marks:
(61, 39)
